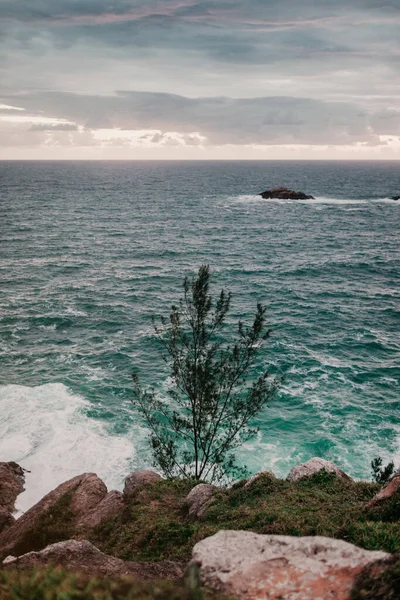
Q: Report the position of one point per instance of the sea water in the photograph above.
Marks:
(91, 250)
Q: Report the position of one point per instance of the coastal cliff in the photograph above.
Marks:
(347, 533)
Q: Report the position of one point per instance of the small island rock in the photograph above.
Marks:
(283, 193)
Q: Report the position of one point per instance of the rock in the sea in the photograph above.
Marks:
(250, 566)
(313, 466)
(12, 481)
(83, 493)
(261, 475)
(285, 194)
(110, 506)
(137, 479)
(395, 197)
(198, 498)
(82, 556)
(387, 492)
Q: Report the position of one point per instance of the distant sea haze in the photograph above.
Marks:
(91, 250)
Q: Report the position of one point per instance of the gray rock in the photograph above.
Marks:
(249, 566)
(314, 465)
(138, 479)
(110, 506)
(84, 557)
(198, 499)
(257, 476)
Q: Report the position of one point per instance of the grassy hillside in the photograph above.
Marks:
(154, 525)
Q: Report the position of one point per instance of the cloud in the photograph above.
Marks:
(53, 127)
(212, 72)
(218, 120)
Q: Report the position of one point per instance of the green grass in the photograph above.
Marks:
(379, 581)
(56, 584)
(155, 527)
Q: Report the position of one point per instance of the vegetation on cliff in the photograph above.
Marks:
(58, 584)
(154, 525)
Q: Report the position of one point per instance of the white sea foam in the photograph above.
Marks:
(252, 199)
(45, 429)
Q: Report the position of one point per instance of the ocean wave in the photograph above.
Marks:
(252, 198)
(46, 430)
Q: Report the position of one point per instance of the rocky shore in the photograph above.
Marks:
(317, 534)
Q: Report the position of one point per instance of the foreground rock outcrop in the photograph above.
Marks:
(80, 495)
(250, 566)
(12, 480)
(82, 556)
(313, 466)
(285, 194)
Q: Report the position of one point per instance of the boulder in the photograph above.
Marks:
(12, 481)
(82, 556)
(137, 479)
(315, 465)
(250, 566)
(84, 493)
(285, 194)
(198, 498)
(6, 519)
(111, 506)
(387, 492)
(395, 197)
(257, 476)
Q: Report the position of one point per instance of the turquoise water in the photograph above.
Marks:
(91, 250)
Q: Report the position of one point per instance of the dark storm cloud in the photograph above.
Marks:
(274, 120)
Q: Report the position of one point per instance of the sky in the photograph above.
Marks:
(187, 79)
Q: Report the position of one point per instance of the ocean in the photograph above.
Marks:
(91, 250)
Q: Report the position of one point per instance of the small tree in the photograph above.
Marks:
(210, 404)
(382, 474)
